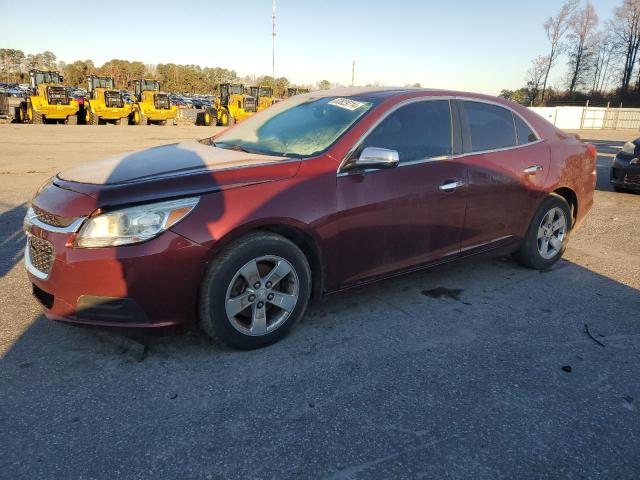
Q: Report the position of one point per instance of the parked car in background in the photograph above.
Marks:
(319, 193)
(625, 169)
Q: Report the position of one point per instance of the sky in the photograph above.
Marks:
(481, 46)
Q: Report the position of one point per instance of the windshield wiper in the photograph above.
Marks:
(231, 146)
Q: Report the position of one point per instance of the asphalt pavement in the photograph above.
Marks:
(481, 369)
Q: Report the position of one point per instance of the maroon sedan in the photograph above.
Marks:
(315, 194)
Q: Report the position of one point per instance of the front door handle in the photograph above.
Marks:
(533, 169)
(451, 185)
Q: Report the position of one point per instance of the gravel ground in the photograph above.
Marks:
(476, 370)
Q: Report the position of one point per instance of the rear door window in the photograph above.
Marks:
(490, 127)
(416, 131)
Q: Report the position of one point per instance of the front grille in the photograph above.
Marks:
(161, 101)
(113, 99)
(51, 219)
(249, 104)
(632, 178)
(57, 96)
(40, 254)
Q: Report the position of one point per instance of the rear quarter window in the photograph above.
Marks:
(525, 134)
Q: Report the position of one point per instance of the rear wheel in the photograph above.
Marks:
(226, 119)
(547, 236)
(255, 291)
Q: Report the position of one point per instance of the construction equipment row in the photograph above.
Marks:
(49, 102)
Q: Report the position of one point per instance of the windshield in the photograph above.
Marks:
(150, 85)
(47, 77)
(102, 82)
(235, 89)
(300, 127)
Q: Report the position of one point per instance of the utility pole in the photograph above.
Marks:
(353, 72)
(273, 45)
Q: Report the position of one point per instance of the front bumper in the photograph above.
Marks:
(152, 284)
(57, 112)
(113, 113)
(624, 174)
(156, 114)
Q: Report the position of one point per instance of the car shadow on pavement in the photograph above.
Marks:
(461, 349)
(12, 246)
(475, 289)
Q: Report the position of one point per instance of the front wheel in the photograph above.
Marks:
(210, 117)
(547, 236)
(255, 291)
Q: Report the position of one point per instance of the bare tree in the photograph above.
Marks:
(581, 39)
(556, 28)
(627, 29)
(535, 77)
(605, 49)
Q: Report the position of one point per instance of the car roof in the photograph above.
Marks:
(389, 92)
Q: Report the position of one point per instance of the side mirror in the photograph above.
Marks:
(378, 158)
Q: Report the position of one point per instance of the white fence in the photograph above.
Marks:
(596, 118)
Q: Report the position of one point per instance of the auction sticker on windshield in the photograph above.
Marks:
(346, 103)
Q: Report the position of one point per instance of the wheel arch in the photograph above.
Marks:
(572, 199)
(292, 231)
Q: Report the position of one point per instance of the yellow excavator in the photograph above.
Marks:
(263, 95)
(152, 106)
(105, 104)
(48, 100)
(231, 106)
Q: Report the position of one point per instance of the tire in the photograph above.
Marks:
(139, 117)
(91, 118)
(531, 252)
(36, 118)
(18, 114)
(620, 189)
(226, 119)
(210, 116)
(224, 277)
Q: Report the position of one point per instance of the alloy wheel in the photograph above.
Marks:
(262, 295)
(552, 232)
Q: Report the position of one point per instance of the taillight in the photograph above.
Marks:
(593, 151)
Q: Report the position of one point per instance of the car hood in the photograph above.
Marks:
(173, 170)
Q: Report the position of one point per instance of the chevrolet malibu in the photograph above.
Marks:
(316, 194)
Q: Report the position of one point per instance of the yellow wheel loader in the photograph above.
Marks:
(231, 106)
(292, 91)
(151, 106)
(264, 97)
(48, 100)
(105, 104)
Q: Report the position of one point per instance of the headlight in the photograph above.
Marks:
(134, 224)
(629, 148)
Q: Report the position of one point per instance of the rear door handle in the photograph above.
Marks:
(533, 169)
(451, 185)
